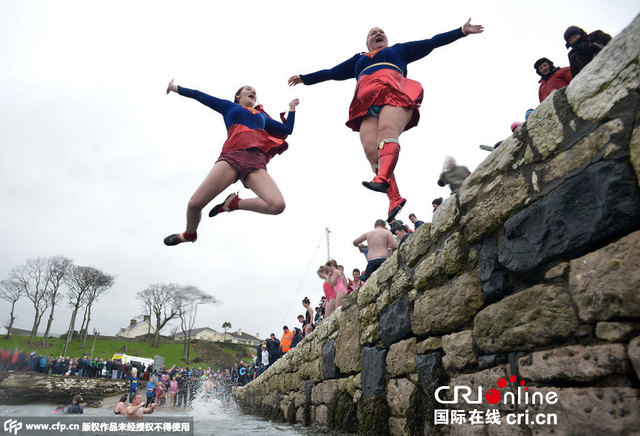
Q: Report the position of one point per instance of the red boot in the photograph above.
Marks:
(388, 152)
(396, 202)
(230, 203)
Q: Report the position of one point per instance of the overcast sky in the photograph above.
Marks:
(97, 163)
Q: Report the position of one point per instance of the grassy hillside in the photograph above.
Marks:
(212, 354)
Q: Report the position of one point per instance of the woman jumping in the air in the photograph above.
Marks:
(385, 102)
(249, 146)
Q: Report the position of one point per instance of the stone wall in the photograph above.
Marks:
(531, 270)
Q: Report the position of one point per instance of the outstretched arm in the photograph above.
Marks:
(343, 71)
(217, 104)
(412, 51)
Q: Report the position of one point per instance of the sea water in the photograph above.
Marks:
(211, 417)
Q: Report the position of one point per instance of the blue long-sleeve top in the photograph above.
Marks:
(234, 113)
(399, 55)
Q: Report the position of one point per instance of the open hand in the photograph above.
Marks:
(469, 28)
(295, 80)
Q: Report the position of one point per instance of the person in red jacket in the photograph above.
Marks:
(552, 77)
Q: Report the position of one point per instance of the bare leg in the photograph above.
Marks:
(340, 298)
(392, 122)
(269, 201)
(369, 138)
(221, 176)
(331, 306)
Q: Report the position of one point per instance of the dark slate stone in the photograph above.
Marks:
(373, 370)
(492, 275)
(489, 361)
(597, 205)
(395, 321)
(329, 369)
(431, 373)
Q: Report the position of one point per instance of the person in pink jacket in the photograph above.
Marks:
(552, 77)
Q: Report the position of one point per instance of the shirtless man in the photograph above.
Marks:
(380, 242)
(136, 409)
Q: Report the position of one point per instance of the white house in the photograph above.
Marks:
(203, 334)
(137, 328)
(239, 337)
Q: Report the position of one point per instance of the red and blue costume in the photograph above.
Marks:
(381, 76)
(247, 127)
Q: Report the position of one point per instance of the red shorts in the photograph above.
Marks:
(385, 87)
(245, 161)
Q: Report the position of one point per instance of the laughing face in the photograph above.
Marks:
(376, 39)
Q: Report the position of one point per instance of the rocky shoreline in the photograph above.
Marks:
(29, 388)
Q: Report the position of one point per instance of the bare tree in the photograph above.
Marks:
(56, 270)
(187, 300)
(80, 281)
(33, 279)
(10, 291)
(159, 302)
(90, 297)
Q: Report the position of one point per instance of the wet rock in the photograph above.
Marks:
(373, 416)
(458, 349)
(329, 369)
(395, 321)
(322, 393)
(373, 371)
(604, 283)
(443, 309)
(491, 274)
(538, 315)
(575, 363)
(598, 204)
(431, 373)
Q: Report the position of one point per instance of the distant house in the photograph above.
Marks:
(239, 337)
(137, 328)
(21, 332)
(203, 334)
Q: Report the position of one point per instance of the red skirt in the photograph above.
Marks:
(241, 137)
(385, 87)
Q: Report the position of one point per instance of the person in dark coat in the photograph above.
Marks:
(583, 47)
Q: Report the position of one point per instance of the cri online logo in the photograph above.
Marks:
(494, 396)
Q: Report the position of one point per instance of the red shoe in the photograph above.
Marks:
(388, 153)
(230, 203)
(177, 238)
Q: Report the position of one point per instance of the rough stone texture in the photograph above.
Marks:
(369, 325)
(557, 271)
(395, 321)
(387, 270)
(398, 393)
(401, 358)
(373, 416)
(581, 154)
(430, 344)
(430, 372)
(448, 307)
(320, 415)
(417, 245)
(373, 371)
(536, 316)
(609, 77)
(633, 352)
(575, 363)
(322, 393)
(601, 202)
(594, 411)
(634, 152)
(491, 274)
(347, 357)
(604, 283)
(617, 331)
(545, 129)
(458, 349)
(447, 260)
(494, 203)
(402, 283)
(329, 369)
(367, 293)
(398, 426)
(446, 218)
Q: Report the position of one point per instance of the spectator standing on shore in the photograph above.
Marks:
(380, 242)
(264, 355)
(134, 383)
(285, 342)
(273, 346)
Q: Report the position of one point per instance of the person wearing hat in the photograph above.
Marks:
(551, 77)
(583, 47)
(436, 203)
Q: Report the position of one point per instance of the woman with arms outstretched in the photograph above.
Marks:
(249, 146)
(385, 102)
